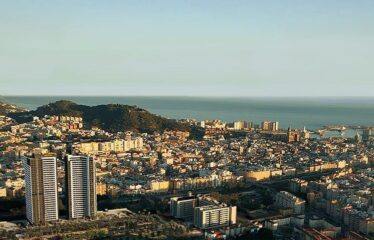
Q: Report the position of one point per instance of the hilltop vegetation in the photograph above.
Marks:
(111, 117)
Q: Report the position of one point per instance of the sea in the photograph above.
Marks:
(295, 112)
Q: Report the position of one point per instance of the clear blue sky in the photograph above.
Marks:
(188, 48)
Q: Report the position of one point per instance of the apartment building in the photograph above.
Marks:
(41, 189)
(285, 199)
(81, 186)
(183, 207)
(214, 216)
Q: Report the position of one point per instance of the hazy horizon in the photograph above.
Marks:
(296, 112)
(194, 96)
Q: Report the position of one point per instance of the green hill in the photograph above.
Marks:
(111, 117)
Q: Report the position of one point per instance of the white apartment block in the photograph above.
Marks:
(81, 186)
(214, 216)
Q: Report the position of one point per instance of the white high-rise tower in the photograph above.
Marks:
(41, 189)
(80, 174)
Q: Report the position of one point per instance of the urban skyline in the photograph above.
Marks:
(67, 169)
(187, 120)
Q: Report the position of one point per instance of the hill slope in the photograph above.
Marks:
(6, 108)
(111, 117)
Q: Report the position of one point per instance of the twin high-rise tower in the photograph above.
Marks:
(41, 188)
(81, 186)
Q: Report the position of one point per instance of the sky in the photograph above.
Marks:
(187, 48)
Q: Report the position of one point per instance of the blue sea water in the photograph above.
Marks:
(295, 112)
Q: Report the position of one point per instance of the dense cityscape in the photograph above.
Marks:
(187, 120)
(63, 178)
